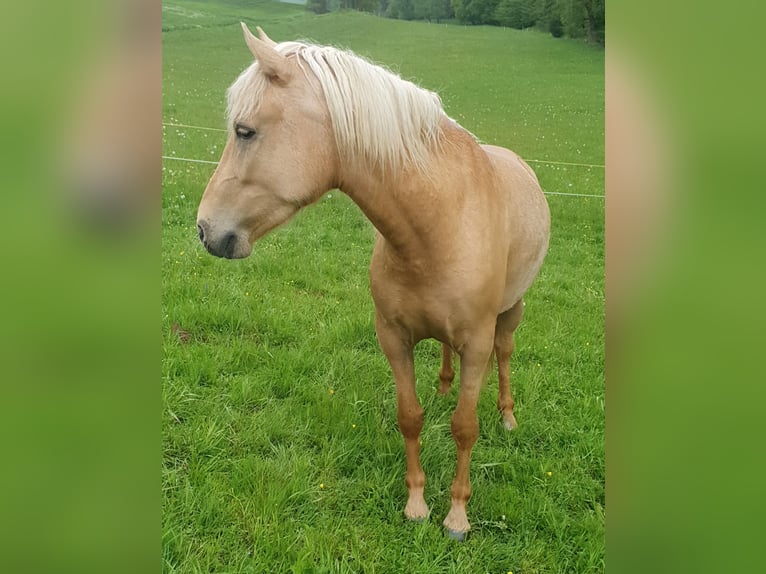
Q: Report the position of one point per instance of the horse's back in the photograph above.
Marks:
(528, 220)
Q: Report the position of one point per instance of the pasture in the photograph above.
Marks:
(281, 451)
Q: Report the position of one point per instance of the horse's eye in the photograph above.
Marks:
(244, 133)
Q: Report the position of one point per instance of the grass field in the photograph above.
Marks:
(281, 451)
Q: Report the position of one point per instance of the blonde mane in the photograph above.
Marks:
(377, 117)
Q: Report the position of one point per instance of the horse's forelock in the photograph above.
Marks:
(244, 95)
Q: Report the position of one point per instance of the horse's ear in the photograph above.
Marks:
(262, 35)
(271, 62)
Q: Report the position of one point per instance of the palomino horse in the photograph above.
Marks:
(463, 228)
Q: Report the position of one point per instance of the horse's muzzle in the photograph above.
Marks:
(225, 246)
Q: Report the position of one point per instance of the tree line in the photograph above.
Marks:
(571, 18)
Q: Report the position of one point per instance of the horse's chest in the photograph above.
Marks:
(435, 296)
(420, 314)
(427, 308)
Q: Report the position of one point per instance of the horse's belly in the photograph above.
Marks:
(522, 273)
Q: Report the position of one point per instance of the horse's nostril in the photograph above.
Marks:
(200, 232)
(229, 242)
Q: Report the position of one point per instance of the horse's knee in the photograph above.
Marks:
(410, 421)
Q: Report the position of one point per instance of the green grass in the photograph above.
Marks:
(281, 448)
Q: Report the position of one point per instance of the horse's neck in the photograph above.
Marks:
(383, 201)
(414, 211)
(411, 211)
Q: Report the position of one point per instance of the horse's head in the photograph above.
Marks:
(280, 154)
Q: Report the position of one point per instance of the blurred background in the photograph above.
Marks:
(684, 276)
(80, 291)
(79, 286)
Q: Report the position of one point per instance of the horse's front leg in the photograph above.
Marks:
(465, 428)
(398, 347)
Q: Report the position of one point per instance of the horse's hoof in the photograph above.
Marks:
(509, 422)
(416, 509)
(457, 535)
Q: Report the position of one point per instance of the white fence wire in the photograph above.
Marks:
(543, 161)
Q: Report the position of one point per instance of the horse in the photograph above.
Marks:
(462, 228)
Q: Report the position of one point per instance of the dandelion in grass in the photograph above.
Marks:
(549, 473)
(321, 485)
(332, 391)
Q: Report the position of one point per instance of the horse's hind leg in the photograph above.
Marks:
(446, 373)
(504, 343)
